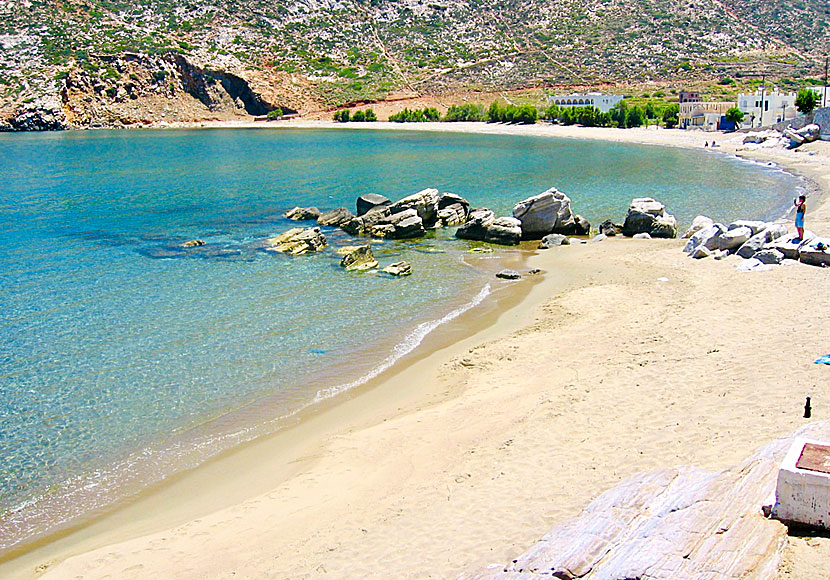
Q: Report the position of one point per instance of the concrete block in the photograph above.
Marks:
(802, 494)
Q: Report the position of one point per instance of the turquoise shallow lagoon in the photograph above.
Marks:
(123, 358)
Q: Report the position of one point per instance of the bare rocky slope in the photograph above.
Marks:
(88, 63)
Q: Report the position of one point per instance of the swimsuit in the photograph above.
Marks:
(799, 216)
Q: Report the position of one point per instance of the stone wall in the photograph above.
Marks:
(820, 117)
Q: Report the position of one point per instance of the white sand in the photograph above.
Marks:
(470, 454)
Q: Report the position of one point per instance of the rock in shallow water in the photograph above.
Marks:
(369, 201)
(297, 241)
(508, 275)
(553, 240)
(504, 230)
(359, 258)
(548, 212)
(399, 269)
(336, 217)
(300, 214)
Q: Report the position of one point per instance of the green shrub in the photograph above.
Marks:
(464, 113)
(358, 116)
(342, 116)
(416, 115)
(806, 100)
(275, 115)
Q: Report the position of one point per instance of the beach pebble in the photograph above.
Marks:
(662, 279)
(641, 236)
(509, 275)
(552, 240)
(599, 238)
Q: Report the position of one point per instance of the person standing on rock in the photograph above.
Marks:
(800, 209)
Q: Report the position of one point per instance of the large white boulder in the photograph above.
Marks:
(548, 212)
(707, 237)
(756, 242)
(755, 226)
(698, 224)
(734, 239)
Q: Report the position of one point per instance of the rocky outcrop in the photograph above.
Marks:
(672, 523)
(42, 114)
(452, 209)
(645, 215)
(300, 214)
(336, 217)
(548, 212)
(399, 269)
(399, 226)
(361, 225)
(476, 226)
(297, 241)
(425, 203)
(359, 258)
(506, 231)
(553, 240)
(369, 201)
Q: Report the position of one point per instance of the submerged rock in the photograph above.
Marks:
(399, 269)
(193, 244)
(301, 214)
(359, 258)
(297, 241)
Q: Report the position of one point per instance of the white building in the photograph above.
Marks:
(823, 96)
(764, 107)
(602, 102)
(702, 115)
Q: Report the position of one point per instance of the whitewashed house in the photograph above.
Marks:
(602, 102)
(764, 107)
(708, 116)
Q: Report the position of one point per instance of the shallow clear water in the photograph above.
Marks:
(120, 353)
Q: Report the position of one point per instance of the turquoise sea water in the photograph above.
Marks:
(123, 357)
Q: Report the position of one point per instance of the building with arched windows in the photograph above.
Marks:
(602, 102)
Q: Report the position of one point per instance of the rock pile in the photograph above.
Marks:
(300, 214)
(806, 134)
(760, 243)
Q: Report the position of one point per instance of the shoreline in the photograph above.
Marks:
(349, 425)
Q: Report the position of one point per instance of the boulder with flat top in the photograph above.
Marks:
(399, 269)
(505, 231)
(816, 252)
(734, 239)
(646, 215)
(369, 201)
(790, 244)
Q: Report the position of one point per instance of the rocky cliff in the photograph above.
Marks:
(86, 63)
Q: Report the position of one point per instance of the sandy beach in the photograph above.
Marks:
(623, 356)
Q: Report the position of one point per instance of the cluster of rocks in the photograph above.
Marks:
(761, 243)
(533, 219)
